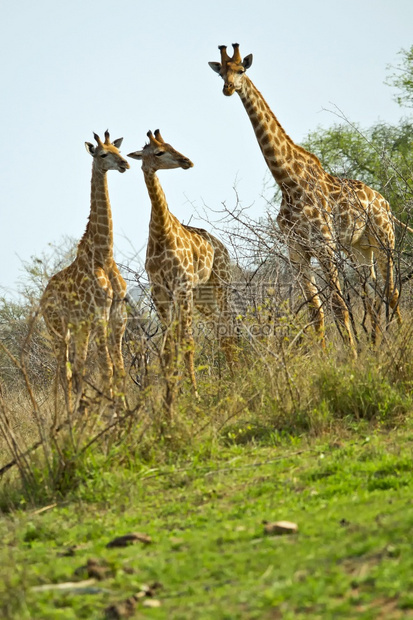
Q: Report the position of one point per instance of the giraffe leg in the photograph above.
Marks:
(56, 323)
(81, 343)
(176, 316)
(226, 324)
(362, 258)
(301, 261)
(64, 367)
(61, 340)
(386, 266)
(213, 302)
(117, 325)
(71, 354)
(327, 262)
(185, 333)
(105, 362)
(164, 308)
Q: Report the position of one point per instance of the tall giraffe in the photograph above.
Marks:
(319, 213)
(186, 266)
(86, 299)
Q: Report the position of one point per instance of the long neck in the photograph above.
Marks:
(161, 218)
(285, 159)
(98, 237)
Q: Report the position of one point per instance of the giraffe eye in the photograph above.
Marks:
(160, 154)
(240, 71)
(104, 155)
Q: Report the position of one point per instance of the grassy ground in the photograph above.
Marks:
(315, 438)
(351, 498)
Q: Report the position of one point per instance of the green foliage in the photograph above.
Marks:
(361, 394)
(381, 156)
(402, 78)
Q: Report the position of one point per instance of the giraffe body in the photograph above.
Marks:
(85, 300)
(319, 214)
(187, 266)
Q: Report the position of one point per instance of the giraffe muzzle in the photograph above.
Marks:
(228, 89)
(186, 163)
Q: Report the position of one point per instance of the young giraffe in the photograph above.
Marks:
(186, 266)
(87, 298)
(319, 213)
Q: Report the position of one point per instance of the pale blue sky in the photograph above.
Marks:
(71, 68)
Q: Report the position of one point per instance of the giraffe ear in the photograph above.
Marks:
(90, 148)
(247, 62)
(135, 155)
(215, 66)
(117, 142)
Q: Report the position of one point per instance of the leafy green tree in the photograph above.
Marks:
(381, 156)
(403, 78)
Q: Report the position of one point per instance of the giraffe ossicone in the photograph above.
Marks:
(85, 300)
(320, 214)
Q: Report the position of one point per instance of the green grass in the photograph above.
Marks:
(352, 556)
(298, 434)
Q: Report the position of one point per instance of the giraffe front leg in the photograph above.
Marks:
(64, 369)
(105, 362)
(316, 311)
(185, 334)
(386, 265)
(80, 348)
(341, 313)
(165, 309)
(301, 263)
(362, 260)
(167, 313)
(117, 325)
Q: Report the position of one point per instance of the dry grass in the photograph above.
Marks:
(285, 385)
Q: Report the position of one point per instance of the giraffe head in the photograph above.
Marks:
(106, 154)
(158, 155)
(231, 69)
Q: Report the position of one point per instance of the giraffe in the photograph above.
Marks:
(187, 266)
(319, 213)
(86, 299)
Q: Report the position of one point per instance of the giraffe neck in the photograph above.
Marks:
(286, 160)
(162, 220)
(97, 241)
